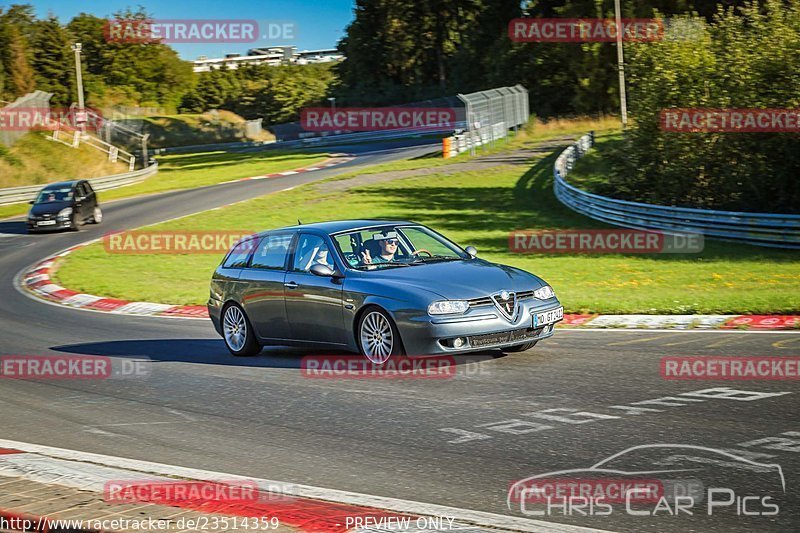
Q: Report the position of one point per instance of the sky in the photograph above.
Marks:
(319, 23)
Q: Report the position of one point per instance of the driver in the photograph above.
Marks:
(388, 244)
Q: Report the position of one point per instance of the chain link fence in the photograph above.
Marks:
(490, 115)
(37, 100)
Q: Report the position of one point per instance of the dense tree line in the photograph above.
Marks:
(404, 50)
(744, 59)
(274, 93)
(36, 54)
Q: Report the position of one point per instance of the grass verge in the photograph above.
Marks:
(479, 208)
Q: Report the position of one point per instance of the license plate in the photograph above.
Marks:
(501, 338)
(46, 223)
(548, 317)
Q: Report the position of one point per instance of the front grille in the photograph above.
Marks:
(480, 302)
(487, 300)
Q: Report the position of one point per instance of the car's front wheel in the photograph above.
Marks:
(237, 332)
(521, 347)
(378, 338)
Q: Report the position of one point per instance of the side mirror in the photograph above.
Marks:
(472, 251)
(323, 271)
(31, 202)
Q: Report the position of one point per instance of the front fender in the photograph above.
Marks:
(406, 306)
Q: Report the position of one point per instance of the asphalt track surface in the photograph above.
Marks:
(569, 403)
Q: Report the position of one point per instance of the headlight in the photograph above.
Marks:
(64, 213)
(545, 293)
(448, 307)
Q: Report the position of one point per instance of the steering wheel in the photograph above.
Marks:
(422, 250)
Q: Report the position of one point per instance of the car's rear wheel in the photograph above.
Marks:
(97, 216)
(237, 332)
(521, 347)
(378, 338)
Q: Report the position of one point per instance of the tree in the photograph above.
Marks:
(54, 62)
(747, 58)
(19, 69)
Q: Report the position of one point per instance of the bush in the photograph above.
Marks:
(746, 59)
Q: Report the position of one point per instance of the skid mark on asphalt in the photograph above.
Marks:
(689, 341)
(783, 344)
(645, 339)
(724, 341)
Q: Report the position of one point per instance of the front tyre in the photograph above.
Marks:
(237, 332)
(378, 338)
(97, 216)
(520, 347)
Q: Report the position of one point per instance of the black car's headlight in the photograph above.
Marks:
(65, 213)
(544, 293)
(448, 307)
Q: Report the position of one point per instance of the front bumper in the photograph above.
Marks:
(427, 335)
(36, 225)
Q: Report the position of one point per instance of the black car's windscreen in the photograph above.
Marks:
(415, 244)
(54, 195)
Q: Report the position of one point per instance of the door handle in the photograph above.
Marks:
(290, 285)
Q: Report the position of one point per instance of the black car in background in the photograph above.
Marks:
(64, 205)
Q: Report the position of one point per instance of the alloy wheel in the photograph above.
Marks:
(235, 328)
(377, 340)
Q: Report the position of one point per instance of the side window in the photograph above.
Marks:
(237, 258)
(81, 190)
(311, 250)
(271, 252)
(88, 188)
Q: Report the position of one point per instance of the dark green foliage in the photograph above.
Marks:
(749, 59)
(274, 93)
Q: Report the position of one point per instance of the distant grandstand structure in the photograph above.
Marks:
(273, 55)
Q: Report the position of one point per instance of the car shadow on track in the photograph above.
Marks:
(213, 352)
(13, 228)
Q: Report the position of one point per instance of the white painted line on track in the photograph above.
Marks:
(61, 469)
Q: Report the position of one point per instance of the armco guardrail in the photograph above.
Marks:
(24, 194)
(760, 229)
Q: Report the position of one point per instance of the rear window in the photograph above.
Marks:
(237, 257)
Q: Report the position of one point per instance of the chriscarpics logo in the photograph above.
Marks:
(657, 480)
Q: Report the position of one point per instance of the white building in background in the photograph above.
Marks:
(273, 56)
